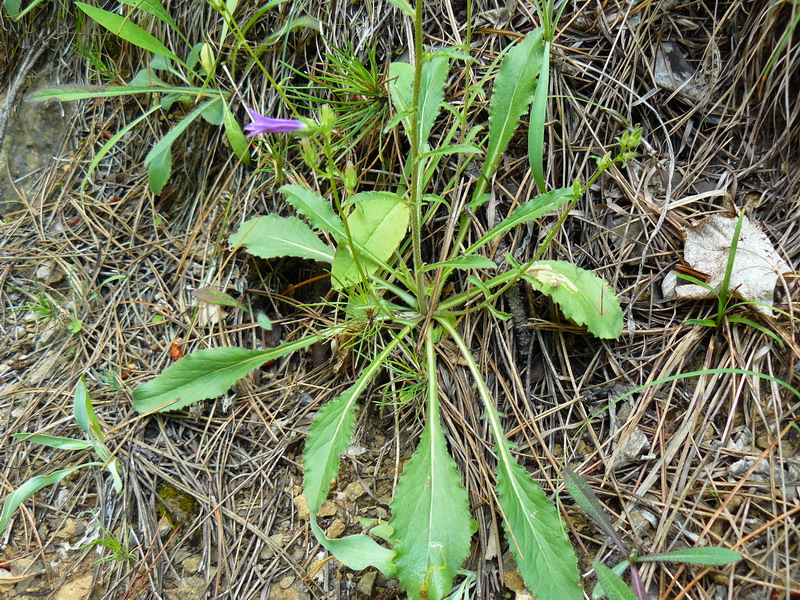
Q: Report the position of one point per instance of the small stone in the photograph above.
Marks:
(336, 528)
(328, 509)
(354, 491)
(382, 513)
(189, 588)
(293, 592)
(26, 566)
(193, 564)
(367, 583)
(72, 528)
(301, 504)
(268, 551)
(77, 589)
(286, 582)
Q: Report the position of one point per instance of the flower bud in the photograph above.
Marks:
(350, 179)
(327, 119)
(207, 59)
(309, 153)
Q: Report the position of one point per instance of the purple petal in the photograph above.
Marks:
(262, 124)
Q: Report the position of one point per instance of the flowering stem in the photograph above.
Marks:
(416, 175)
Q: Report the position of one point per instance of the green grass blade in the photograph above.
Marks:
(531, 522)
(127, 30)
(71, 92)
(695, 556)
(30, 487)
(513, 91)
(430, 510)
(54, 441)
(612, 585)
(273, 237)
(206, 374)
(537, 121)
(84, 414)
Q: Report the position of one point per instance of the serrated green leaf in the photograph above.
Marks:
(527, 211)
(513, 91)
(535, 534)
(581, 295)
(431, 94)
(430, 510)
(30, 487)
(54, 441)
(612, 585)
(379, 226)
(213, 296)
(273, 237)
(127, 30)
(453, 149)
(695, 556)
(472, 261)
(206, 374)
(315, 208)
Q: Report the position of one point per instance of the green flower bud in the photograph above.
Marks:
(207, 59)
(350, 178)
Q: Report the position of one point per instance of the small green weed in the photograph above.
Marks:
(119, 550)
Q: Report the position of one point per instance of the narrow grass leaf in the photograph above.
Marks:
(535, 534)
(537, 121)
(155, 8)
(612, 585)
(84, 414)
(430, 510)
(527, 211)
(127, 30)
(272, 236)
(581, 295)
(30, 487)
(403, 6)
(695, 556)
(54, 441)
(513, 91)
(315, 208)
(379, 226)
(206, 374)
(71, 92)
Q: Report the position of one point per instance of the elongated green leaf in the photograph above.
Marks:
(127, 30)
(513, 91)
(695, 556)
(273, 236)
(71, 92)
(581, 295)
(315, 208)
(535, 533)
(30, 487)
(54, 441)
(453, 149)
(84, 414)
(206, 374)
(379, 226)
(159, 168)
(612, 585)
(618, 570)
(586, 498)
(472, 261)
(155, 8)
(213, 296)
(404, 6)
(430, 510)
(537, 119)
(431, 95)
(357, 551)
(236, 137)
(527, 211)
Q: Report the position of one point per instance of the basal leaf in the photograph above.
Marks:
(273, 237)
(212, 296)
(612, 585)
(315, 208)
(127, 30)
(527, 211)
(357, 551)
(586, 498)
(379, 226)
(206, 374)
(430, 513)
(30, 487)
(581, 295)
(513, 91)
(537, 120)
(618, 570)
(695, 556)
(159, 169)
(328, 437)
(535, 534)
